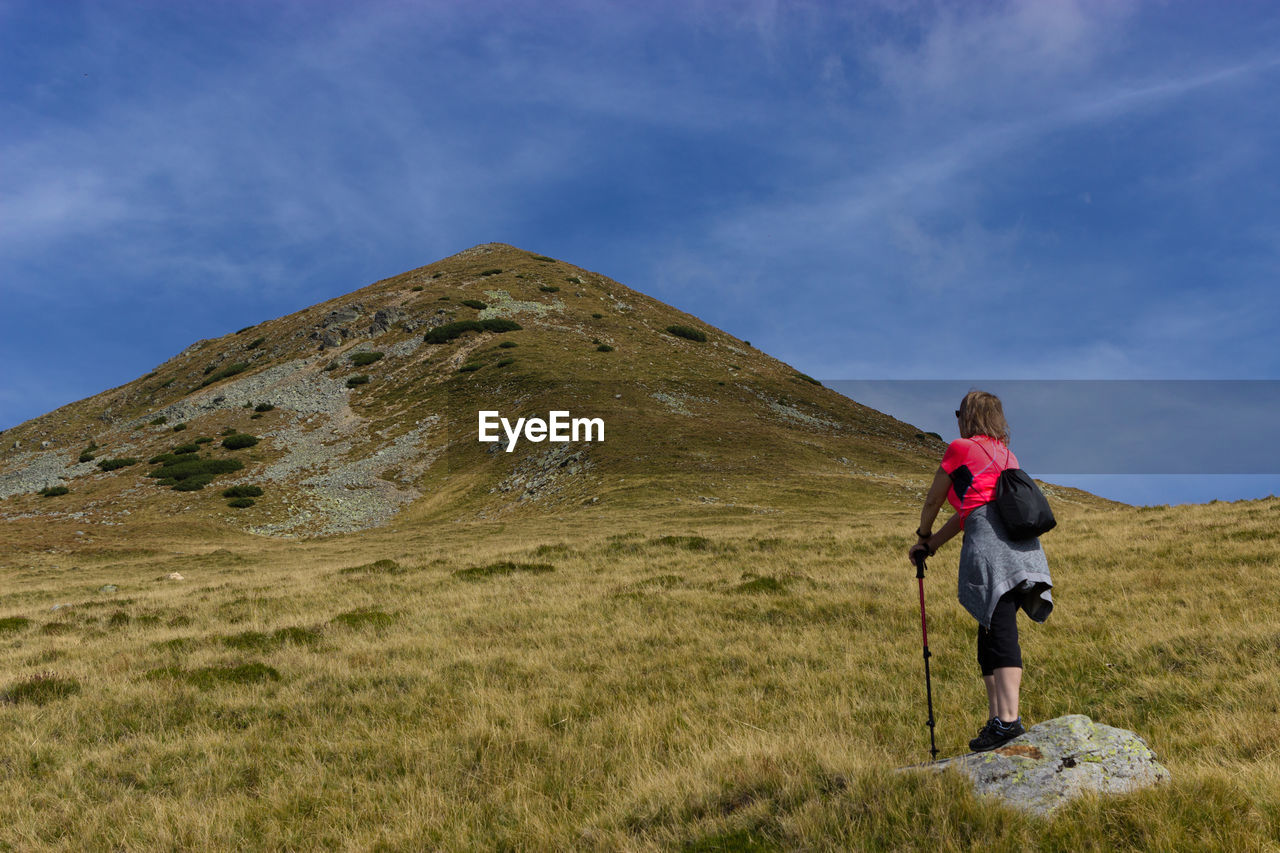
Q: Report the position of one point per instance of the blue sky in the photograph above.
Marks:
(876, 190)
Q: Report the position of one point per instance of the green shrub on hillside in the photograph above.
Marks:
(544, 259)
(449, 331)
(489, 272)
(355, 381)
(204, 439)
(164, 458)
(179, 427)
(113, 464)
(808, 379)
(333, 365)
(363, 359)
(241, 503)
(256, 342)
(224, 373)
(245, 329)
(230, 431)
(239, 441)
(508, 344)
(503, 362)
(416, 288)
(475, 303)
(53, 491)
(243, 492)
(263, 407)
(159, 421)
(687, 333)
(597, 316)
(86, 455)
(470, 367)
(187, 474)
(549, 288)
(573, 279)
(185, 448)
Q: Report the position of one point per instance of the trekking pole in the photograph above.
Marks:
(924, 633)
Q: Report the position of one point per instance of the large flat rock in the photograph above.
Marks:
(1057, 760)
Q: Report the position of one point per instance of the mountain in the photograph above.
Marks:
(366, 410)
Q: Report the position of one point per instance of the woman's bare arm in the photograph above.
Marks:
(932, 503)
(934, 500)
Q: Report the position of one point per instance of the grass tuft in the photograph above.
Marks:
(506, 567)
(384, 566)
(14, 624)
(211, 677)
(40, 689)
(260, 641)
(763, 583)
(358, 620)
(687, 543)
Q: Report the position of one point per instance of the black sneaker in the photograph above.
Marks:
(996, 733)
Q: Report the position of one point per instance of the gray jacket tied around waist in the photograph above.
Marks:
(991, 564)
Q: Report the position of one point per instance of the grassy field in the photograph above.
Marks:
(704, 679)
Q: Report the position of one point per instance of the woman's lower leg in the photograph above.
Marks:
(1004, 684)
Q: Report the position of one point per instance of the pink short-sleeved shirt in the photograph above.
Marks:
(974, 465)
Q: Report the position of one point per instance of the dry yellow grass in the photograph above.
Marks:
(702, 677)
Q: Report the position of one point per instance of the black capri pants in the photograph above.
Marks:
(998, 647)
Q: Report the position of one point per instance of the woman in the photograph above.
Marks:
(998, 576)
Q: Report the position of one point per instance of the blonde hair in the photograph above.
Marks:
(982, 414)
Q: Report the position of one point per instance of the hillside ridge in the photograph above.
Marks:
(365, 404)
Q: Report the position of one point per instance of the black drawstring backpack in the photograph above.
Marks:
(1021, 505)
